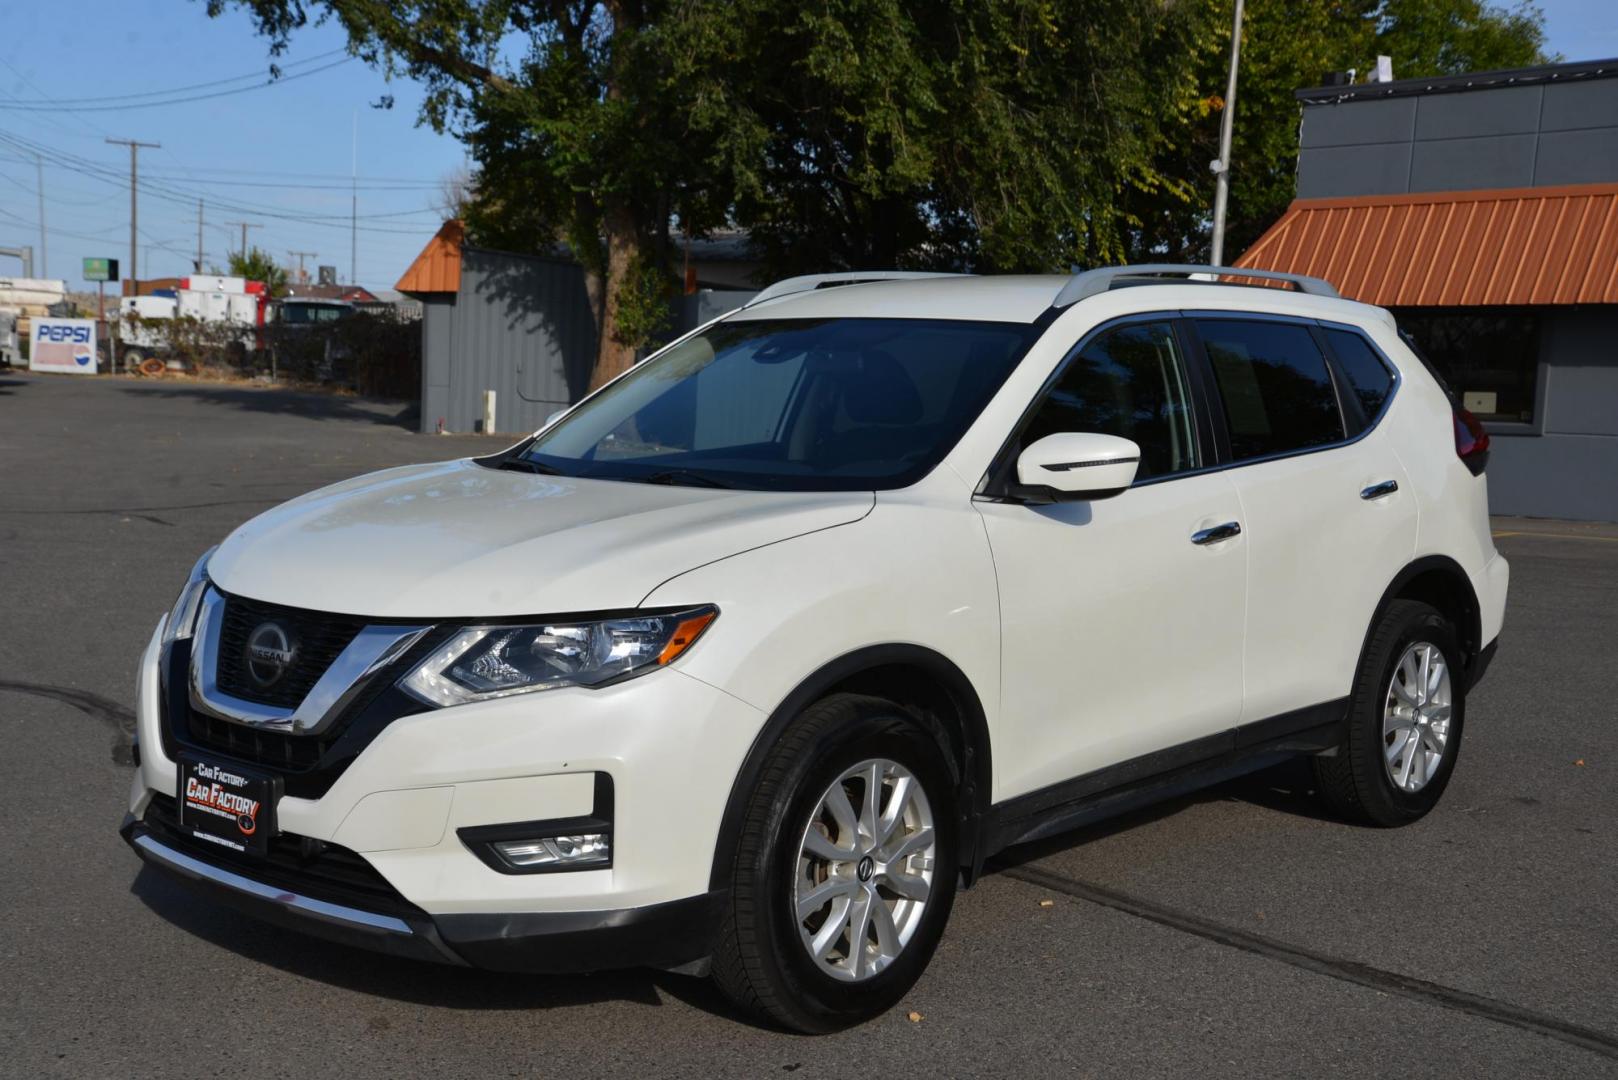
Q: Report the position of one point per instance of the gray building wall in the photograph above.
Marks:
(520, 326)
(1397, 139)
(1541, 128)
(1565, 464)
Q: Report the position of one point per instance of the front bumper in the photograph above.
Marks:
(671, 745)
(675, 934)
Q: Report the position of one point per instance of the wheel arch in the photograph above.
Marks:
(1440, 581)
(911, 675)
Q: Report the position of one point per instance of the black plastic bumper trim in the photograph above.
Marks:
(1480, 663)
(667, 935)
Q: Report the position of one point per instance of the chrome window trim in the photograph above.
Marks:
(373, 649)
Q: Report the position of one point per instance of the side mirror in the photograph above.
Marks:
(1070, 466)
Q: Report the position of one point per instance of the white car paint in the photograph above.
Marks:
(1091, 633)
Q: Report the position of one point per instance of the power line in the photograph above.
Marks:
(188, 196)
(172, 101)
(24, 102)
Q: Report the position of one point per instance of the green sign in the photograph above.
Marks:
(100, 269)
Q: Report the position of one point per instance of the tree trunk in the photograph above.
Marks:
(623, 240)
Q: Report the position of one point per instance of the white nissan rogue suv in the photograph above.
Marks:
(745, 662)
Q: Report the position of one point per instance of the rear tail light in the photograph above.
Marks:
(1471, 441)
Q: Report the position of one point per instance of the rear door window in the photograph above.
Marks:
(1273, 384)
(1369, 379)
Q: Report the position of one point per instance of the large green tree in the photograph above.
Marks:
(995, 134)
(964, 134)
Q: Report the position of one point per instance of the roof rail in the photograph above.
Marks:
(811, 282)
(1093, 282)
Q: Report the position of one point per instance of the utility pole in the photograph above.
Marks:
(245, 226)
(197, 266)
(44, 265)
(1221, 167)
(354, 206)
(300, 256)
(134, 171)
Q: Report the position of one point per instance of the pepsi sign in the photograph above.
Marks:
(63, 345)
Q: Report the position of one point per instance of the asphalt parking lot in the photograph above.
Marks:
(1238, 933)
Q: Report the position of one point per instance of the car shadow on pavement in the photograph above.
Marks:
(413, 981)
(301, 403)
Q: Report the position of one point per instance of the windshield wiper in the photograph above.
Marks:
(528, 465)
(679, 478)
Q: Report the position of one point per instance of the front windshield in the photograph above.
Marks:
(791, 405)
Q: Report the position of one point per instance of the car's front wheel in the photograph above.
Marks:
(845, 868)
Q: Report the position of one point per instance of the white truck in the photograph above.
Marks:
(210, 299)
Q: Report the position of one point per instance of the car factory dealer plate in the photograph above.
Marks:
(227, 805)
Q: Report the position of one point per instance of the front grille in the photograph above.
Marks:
(317, 638)
(275, 749)
(309, 764)
(298, 864)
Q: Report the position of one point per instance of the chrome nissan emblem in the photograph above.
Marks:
(269, 653)
(865, 868)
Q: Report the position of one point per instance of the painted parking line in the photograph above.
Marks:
(1558, 536)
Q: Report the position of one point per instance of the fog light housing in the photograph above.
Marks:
(548, 847)
(581, 851)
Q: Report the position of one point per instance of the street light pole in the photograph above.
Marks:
(1221, 167)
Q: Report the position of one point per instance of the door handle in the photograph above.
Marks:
(1217, 533)
(1376, 491)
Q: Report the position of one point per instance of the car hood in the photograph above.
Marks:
(457, 539)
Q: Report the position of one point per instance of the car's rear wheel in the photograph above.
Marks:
(1404, 721)
(845, 868)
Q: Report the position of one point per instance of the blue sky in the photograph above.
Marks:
(297, 135)
(279, 155)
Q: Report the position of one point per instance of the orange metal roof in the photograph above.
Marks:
(438, 268)
(1549, 245)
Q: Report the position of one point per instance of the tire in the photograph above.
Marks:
(1379, 776)
(762, 957)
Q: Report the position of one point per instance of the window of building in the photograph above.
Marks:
(1129, 382)
(1488, 356)
(1368, 375)
(1276, 392)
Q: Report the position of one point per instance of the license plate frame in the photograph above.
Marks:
(226, 805)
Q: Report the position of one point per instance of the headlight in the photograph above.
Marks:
(483, 662)
(184, 614)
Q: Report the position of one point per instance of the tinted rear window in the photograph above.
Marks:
(1369, 379)
(1272, 380)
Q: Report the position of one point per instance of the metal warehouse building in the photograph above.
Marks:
(1483, 209)
(520, 326)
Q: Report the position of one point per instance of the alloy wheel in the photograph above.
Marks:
(865, 870)
(1416, 716)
